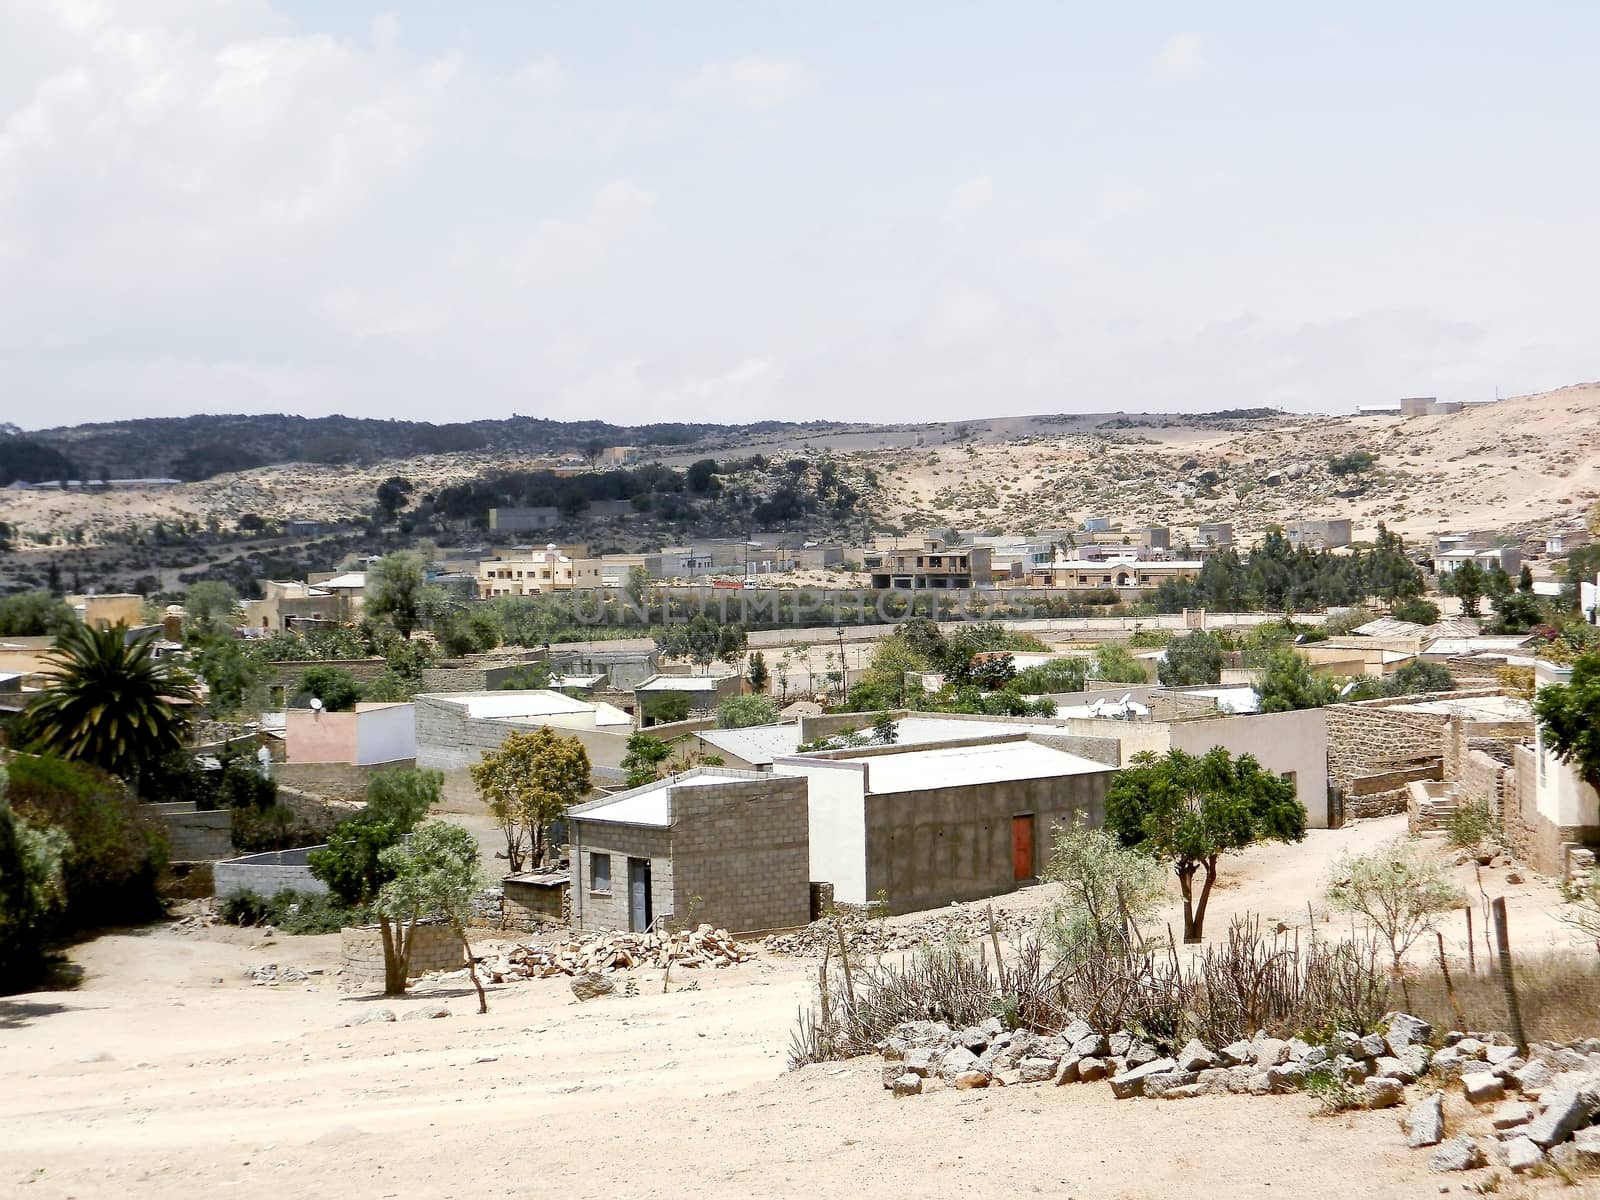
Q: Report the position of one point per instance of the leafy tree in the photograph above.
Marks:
(664, 708)
(702, 476)
(884, 731)
(643, 759)
(1356, 462)
(1058, 675)
(338, 690)
(1467, 584)
(352, 864)
(739, 712)
(528, 783)
(211, 604)
(1569, 717)
(1290, 684)
(108, 702)
(433, 873)
(394, 591)
(32, 892)
(233, 677)
(1517, 612)
(392, 494)
(530, 677)
(1105, 888)
(1191, 659)
(1418, 612)
(1418, 676)
(1580, 566)
(755, 672)
(1401, 890)
(1113, 664)
(923, 638)
(34, 614)
(1190, 810)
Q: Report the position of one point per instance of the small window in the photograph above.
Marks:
(1288, 777)
(600, 873)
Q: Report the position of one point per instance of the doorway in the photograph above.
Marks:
(639, 912)
(1022, 848)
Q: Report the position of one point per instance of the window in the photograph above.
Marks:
(600, 873)
(1288, 777)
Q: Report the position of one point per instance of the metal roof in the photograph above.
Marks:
(967, 766)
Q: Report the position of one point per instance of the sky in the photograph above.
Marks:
(747, 211)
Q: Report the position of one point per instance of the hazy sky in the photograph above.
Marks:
(738, 211)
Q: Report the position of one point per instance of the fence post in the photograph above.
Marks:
(1472, 953)
(1502, 937)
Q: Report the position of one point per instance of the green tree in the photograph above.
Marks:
(739, 712)
(1467, 584)
(34, 614)
(664, 708)
(1356, 462)
(1569, 716)
(1113, 664)
(233, 677)
(1289, 684)
(394, 591)
(1418, 612)
(1106, 889)
(338, 690)
(643, 759)
(1418, 676)
(1580, 566)
(755, 672)
(1190, 810)
(32, 892)
(528, 783)
(1192, 659)
(352, 863)
(211, 605)
(433, 874)
(392, 494)
(108, 702)
(1401, 890)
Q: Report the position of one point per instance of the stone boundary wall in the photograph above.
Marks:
(285, 673)
(493, 909)
(194, 836)
(468, 679)
(436, 948)
(343, 780)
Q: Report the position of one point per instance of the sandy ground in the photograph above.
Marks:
(166, 1068)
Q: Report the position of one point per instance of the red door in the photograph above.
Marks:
(1022, 848)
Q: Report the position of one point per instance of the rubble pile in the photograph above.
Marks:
(610, 952)
(1538, 1107)
(966, 923)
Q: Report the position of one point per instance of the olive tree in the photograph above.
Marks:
(1189, 810)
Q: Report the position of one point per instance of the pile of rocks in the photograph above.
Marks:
(271, 975)
(1544, 1105)
(701, 947)
(968, 923)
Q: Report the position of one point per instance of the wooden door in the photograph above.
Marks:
(1022, 847)
(639, 915)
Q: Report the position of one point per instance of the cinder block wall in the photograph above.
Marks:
(596, 910)
(741, 854)
(196, 836)
(436, 948)
(267, 874)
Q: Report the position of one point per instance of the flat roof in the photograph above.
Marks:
(757, 745)
(652, 803)
(540, 703)
(965, 766)
(680, 683)
(1481, 708)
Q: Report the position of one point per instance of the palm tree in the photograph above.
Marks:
(109, 702)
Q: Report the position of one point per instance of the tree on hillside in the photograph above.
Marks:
(1289, 684)
(433, 874)
(1190, 810)
(394, 591)
(108, 702)
(352, 863)
(1192, 659)
(392, 494)
(740, 712)
(1569, 716)
(528, 783)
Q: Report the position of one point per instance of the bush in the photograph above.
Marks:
(30, 893)
(1418, 612)
(1471, 824)
(276, 827)
(118, 850)
(291, 912)
(338, 690)
(740, 712)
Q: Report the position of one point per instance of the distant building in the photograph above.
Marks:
(102, 612)
(1507, 558)
(934, 566)
(1124, 572)
(1329, 534)
(522, 520)
(1215, 535)
(531, 572)
(1417, 406)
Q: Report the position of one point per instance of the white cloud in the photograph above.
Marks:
(1182, 57)
(541, 75)
(753, 83)
(971, 195)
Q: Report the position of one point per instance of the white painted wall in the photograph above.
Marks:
(1290, 742)
(836, 803)
(385, 734)
(1561, 797)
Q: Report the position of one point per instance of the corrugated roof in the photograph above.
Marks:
(1389, 627)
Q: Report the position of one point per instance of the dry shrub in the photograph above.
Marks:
(1559, 995)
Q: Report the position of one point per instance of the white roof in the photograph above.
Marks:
(1477, 708)
(963, 766)
(1477, 645)
(680, 683)
(1230, 699)
(517, 704)
(351, 579)
(757, 745)
(652, 803)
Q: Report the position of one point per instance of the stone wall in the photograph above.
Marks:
(436, 948)
(1374, 737)
(520, 908)
(344, 781)
(194, 836)
(1532, 837)
(468, 678)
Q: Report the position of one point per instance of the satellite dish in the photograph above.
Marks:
(1127, 697)
(316, 704)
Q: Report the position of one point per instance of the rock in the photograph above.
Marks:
(591, 986)
(1091, 1069)
(973, 1039)
(1172, 1085)
(430, 1012)
(1394, 1069)
(1510, 1114)
(1532, 1078)
(968, 1080)
(1522, 1155)
(911, 1035)
(1566, 1110)
(1448, 1063)
(1353, 1070)
(907, 1084)
(1315, 1056)
(1384, 1091)
(956, 1061)
(921, 1061)
(1424, 1123)
(1270, 1052)
(1458, 1154)
(1119, 1044)
(1076, 1032)
(1471, 1047)
(1483, 1086)
(1259, 1084)
(1091, 1046)
(1298, 1049)
(1499, 1056)
(1131, 1082)
(1369, 1048)
(1036, 1070)
(1215, 1080)
(1582, 1153)
(1236, 1054)
(992, 1027)
(1195, 1056)
(1141, 1054)
(1406, 1030)
(369, 1018)
(1288, 1077)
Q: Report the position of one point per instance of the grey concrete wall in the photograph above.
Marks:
(741, 854)
(267, 874)
(1284, 743)
(196, 836)
(927, 848)
(468, 679)
(596, 910)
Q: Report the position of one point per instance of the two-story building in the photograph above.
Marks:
(934, 565)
